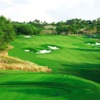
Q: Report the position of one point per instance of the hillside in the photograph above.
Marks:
(11, 63)
(73, 60)
(21, 85)
(74, 56)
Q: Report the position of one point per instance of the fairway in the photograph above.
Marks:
(49, 50)
(20, 85)
(75, 69)
(73, 57)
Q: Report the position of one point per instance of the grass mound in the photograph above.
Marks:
(11, 63)
(40, 86)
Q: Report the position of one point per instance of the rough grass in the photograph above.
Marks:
(12, 63)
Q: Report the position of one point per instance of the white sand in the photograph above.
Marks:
(88, 43)
(93, 44)
(43, 51)
(27, 50)
(53, 47)
(27, 36)
(97, 43)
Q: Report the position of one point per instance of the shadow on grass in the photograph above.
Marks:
(42, 92)
(55, 85)
(85, 49)
(40, 88)
(85, 70)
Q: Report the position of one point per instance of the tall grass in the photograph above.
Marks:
(11, 63)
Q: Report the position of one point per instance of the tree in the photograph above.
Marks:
(98, 26)
(6, 32)
(26, 29)
(36, 23)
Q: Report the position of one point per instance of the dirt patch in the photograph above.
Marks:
(5, 52)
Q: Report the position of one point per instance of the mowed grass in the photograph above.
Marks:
(20, 85)
(75, 67)
(74, 57)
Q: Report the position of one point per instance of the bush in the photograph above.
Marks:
(6, 32)
(26, 29)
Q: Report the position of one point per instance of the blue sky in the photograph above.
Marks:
(49, 10)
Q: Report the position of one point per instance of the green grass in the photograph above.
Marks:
(75, 75)
(20, 85)
(74, 57)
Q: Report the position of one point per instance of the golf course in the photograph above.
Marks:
(75, 69)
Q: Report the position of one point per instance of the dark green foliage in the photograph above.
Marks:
(37, 23)
(26, 29)
(72, 26)
(98, 25)
(79, 26)
(6, 32)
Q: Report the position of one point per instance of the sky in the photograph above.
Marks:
(49, 10)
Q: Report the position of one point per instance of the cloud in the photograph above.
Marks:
(25, 11)
(49, 10)
(97, 4)
(84, 9)
(6, 1)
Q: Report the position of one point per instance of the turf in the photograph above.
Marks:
(75, 70)
(74, 57)
(18, 85)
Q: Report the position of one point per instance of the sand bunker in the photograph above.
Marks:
(53, 47)
(47, 51)
(93, 44)
(97, 43)
(90, 44)
(43, 51)
(27, 36)
(27, 50)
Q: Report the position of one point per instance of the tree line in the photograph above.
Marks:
(9, 29)
(7, 33)
(78, 26)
